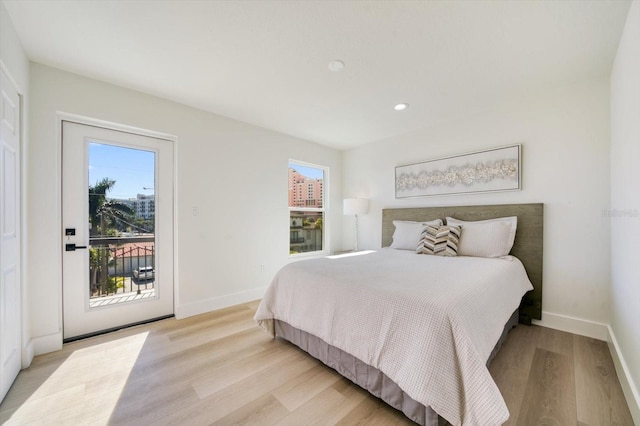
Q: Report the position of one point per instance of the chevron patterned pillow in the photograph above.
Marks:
(439, 240)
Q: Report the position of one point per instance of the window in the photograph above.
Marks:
(306, 207)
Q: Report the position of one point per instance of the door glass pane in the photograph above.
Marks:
(121, 224)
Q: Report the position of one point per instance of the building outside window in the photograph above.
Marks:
(306, 207)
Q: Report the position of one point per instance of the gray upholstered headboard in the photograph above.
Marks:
(527, 247)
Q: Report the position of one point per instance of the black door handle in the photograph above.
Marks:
(73, 247)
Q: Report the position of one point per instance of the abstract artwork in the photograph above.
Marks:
(491, 170)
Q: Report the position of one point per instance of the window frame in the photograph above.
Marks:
(324, 209)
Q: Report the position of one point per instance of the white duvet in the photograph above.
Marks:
(428, 322)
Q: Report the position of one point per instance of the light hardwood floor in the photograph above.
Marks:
(220, 368)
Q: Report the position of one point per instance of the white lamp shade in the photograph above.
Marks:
(355, 205)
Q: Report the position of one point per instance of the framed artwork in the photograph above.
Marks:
(497, 169)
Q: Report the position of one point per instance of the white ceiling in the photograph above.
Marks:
(266, 62)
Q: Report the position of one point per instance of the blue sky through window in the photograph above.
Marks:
(132, 169)
(310, 172)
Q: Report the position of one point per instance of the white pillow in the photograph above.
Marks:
(486, 238)
(407, 234)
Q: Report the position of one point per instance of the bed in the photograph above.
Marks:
(422, 348)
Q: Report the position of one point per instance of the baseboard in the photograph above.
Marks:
(53, 342)
(28, 354)
(46, 344)
(573, 325)
(208, 305)
(631, 392)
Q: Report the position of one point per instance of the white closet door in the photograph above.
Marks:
(10, 300)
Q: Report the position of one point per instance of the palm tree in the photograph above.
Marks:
(105, 212)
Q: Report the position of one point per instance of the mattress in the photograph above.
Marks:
(428, 323)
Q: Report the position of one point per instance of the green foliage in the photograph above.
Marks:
(114, 283)
(94, 255)
(143, 225)
(98, 196)
(105, 214)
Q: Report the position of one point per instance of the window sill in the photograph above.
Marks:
(309, 255)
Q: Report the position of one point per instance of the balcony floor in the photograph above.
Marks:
(121, 298)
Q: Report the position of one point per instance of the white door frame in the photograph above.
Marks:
(89, 121)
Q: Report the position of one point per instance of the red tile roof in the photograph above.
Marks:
(132, 249)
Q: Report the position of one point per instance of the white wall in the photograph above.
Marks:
(565, 146)
(15, 63)
(625, 199)
(234, 173)
(12, 54)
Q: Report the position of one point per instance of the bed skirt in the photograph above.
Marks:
(368, 377)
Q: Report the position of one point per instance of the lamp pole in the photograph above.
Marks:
(356, 232)
(355, 206)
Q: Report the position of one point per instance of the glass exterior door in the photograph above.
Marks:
(117, 212)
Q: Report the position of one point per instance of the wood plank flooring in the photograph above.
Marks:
(220, 368)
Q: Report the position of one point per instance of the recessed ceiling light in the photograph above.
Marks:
(336, 66)
(401, 107)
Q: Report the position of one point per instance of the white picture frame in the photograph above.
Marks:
(491, 170)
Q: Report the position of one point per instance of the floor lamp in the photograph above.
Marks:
(356, 206)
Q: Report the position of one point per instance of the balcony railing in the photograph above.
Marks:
(113, 260)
